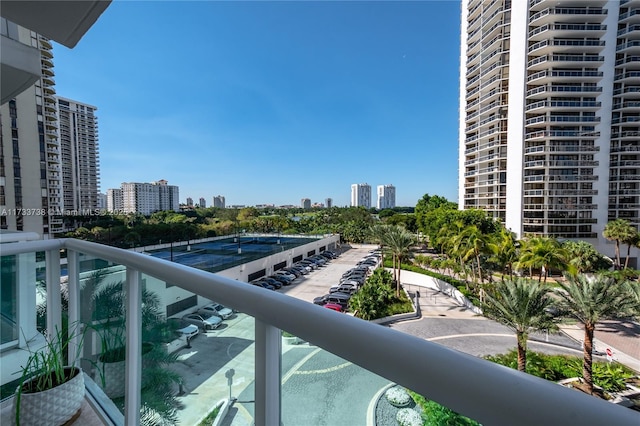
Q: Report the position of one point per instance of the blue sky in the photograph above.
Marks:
(272, 102)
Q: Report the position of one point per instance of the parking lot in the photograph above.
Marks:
(318, 282)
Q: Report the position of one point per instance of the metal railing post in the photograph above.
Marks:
(54, 302)
(73, 283)
(268, 369)
(133, 355)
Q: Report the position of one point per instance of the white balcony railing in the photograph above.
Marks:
(484, 391)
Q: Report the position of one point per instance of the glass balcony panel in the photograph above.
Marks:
(102, 314)
(319, 387)
(9, 301)
(187, 373)
(22, 289)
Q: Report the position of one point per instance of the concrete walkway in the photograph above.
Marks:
(622, 338)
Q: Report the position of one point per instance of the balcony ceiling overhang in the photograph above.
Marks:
(65, 21)
(20, 68)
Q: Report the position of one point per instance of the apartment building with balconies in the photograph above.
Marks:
(79, 155)
(386, 197)
(30, 154)
(361, 195)
(549, 124)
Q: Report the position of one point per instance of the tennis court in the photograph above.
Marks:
(222, 254)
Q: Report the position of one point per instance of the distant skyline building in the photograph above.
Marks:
(202, 203)
(218, 201)
(386, 197)
(147, 198)
(189, 202)
(78, 127)
(361, 195)
(328, 202)
(115, 202)
(102, 201)
(305, 203)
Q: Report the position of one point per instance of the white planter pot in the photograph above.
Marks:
(52, 407)
(111, 378)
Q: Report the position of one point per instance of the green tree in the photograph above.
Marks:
(132, 238)
(522, 306)
(633, 239)
(543, 253)
(619, 230)
(399, 241)
(589, 300)
(370, 301)
(584, 257)
(424, 212)
(474, 243)
(504, 251)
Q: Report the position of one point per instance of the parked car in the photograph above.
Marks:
(281, 278)
(304, 266)
(293, 271)
(217, 310)
(263, 284)
(355, 275)
(309, 263)
(341, 299)
(272, 281)
(205, 322)
(190, 331)
(320, 260)
(334, 306)
(330, 254)
(286, 274)
(344, 288)
(354, 281)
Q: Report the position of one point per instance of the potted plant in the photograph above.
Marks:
(51, 391)
(111, 361)
(108, 331)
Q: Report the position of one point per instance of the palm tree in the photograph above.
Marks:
(379, 234)
(520, 305)
(505, 252)
(476, 243)
(619, 230)
(589, 300)
(543, 253)
(399, 241)
(630, 240)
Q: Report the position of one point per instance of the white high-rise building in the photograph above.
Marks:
(386, 197)
(328, 202)
(146, 198)
(79, 155)
(203, 203)
(218, 201)
(361, 195)
(115, 202)
(549, 106)
(305, 203)
(168, 196)
(30, 160)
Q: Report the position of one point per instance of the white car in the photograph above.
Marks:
(204, 321)
(189, 331)
(285, 274)
(217, 310)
